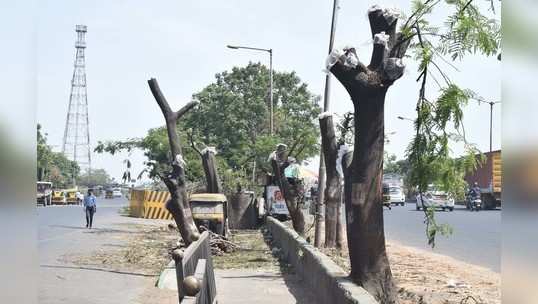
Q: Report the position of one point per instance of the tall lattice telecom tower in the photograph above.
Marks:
(76, 141)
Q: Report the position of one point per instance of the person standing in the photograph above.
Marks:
(90, 207)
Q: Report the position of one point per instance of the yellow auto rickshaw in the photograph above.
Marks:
(72, 196)
(58, 197)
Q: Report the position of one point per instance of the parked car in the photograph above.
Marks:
(435, 198)
(397, 196)
(116, 192)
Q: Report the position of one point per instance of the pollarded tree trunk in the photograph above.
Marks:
(291, 190)
(209, 162)
(333, 189)
(367, 86)
(178, 204)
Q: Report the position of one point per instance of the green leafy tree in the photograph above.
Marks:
(232, 117)
(54, 166)
(93, 178)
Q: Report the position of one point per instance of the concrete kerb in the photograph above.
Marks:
(327, 280)
(167, 278)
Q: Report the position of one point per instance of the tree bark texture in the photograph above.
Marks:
(178, 204)
(209, 162)
(332, 182)
(367, 87)
(291, 189)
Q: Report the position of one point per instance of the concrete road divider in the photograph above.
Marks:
(149, 204)
(323, 277)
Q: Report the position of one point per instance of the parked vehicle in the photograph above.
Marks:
(488, 177)
(397, 196)
(109, 193)
(435, 198)
(210, 210)
(72, 197)
(386, 196)
(116, 192)
(58, 197)
(44, 193)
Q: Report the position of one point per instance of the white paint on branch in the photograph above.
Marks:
(351, 59)
(209, 150)
(180, 161)
(332, 59)
(381, 38)
(324, 115)
(342, 151)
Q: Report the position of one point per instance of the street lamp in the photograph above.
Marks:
(404, 118)
(270, 51)
(491, 104)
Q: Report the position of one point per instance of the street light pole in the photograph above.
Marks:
(318, 219)
(271, 87)
(270, 51)
(491, 103)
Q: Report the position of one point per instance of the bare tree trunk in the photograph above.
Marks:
(209, 163)
(367, 86)
(178, 204)
(340, 233)
(332, 185)
(291, 190)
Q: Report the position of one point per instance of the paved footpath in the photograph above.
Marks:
(61, 232)
(245, 286)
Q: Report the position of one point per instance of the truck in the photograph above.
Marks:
(488, 175)
(44, 193)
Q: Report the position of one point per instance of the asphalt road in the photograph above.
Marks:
(62, 232)
(476, 238)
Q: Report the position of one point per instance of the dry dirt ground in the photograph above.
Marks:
(144, 249)
(428, 278)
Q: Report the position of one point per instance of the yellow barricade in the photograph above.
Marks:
(149, 204)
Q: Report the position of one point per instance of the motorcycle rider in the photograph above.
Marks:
(474, 194)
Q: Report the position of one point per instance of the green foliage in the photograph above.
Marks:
(93, 178)
(54, 166)
(233, 117)
(466, 31)
(432, 228)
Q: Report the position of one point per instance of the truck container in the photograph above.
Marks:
(488, 176)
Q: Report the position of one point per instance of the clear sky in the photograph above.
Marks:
(183, 45)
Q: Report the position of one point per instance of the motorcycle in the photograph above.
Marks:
(474, 203)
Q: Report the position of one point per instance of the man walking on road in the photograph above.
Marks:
(90, 207)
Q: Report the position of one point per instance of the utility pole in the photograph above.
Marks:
(318, 218)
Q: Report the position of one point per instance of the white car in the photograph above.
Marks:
(436, 199)
(116, 192)
(397, 196)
